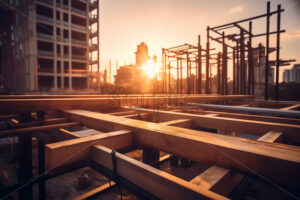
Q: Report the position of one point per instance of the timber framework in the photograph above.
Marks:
(156, 146)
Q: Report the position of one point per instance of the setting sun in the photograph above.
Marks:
(150, 68)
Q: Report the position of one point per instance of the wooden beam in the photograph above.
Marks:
(140, 116)
(258, 128)
(251, 110)
(244, 116)
(291, 107)
(65, 152)
(87, 132)
(242, 154)
(272, 136)
(16, 124)
(218, 179)
(5, 117)
(95, 191)
(20, 131)
(127, 112)
(183, 123)
(152, 180)
(223, 181)
(30, 105)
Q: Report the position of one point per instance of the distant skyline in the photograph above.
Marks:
(166, 23)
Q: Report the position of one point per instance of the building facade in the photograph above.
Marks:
(292, 75)
(49, 45)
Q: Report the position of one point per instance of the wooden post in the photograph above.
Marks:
(174, 161)
(41, 162)
(25, 159)
(151, 157)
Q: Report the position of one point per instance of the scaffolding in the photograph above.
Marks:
(236, 45)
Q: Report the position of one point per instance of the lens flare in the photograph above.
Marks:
(150, 68)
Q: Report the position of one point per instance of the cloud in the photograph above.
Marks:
(237, 9)
(291, 35)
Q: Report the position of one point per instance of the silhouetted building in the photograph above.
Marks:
(259, 63)
(292, 75)
(49, 46)
(141, 55)
(132, 76)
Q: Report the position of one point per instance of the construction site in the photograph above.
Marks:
(204, 122)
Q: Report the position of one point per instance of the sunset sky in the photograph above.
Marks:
(166, 23)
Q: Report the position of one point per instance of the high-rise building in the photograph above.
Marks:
(48, 45)
(292, 75)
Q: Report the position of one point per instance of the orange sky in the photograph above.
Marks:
(166, 23)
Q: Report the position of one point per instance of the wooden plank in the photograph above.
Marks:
(245, 116)
(21, 131)
(252, 110)
(258, 128)
(141, 116)
(223, 181)
(5, 117)
(16, 124)
(272, 136)
(65, 152)
(183, 123)
(88, 132)
(152, 180)
(95, 191)
(292, 107)
(241, 154)
(113, 101)
(218, 179)
(127, 112)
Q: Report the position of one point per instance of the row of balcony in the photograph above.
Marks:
(73, 71)
(59, 38)
(51, 54)
(48, 19)
(66, 7)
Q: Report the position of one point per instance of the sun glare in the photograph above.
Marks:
(150, 68)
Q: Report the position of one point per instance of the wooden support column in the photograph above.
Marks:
(151, 157)
(25, 159)
(41, 168)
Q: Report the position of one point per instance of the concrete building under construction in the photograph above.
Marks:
(49, 45)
